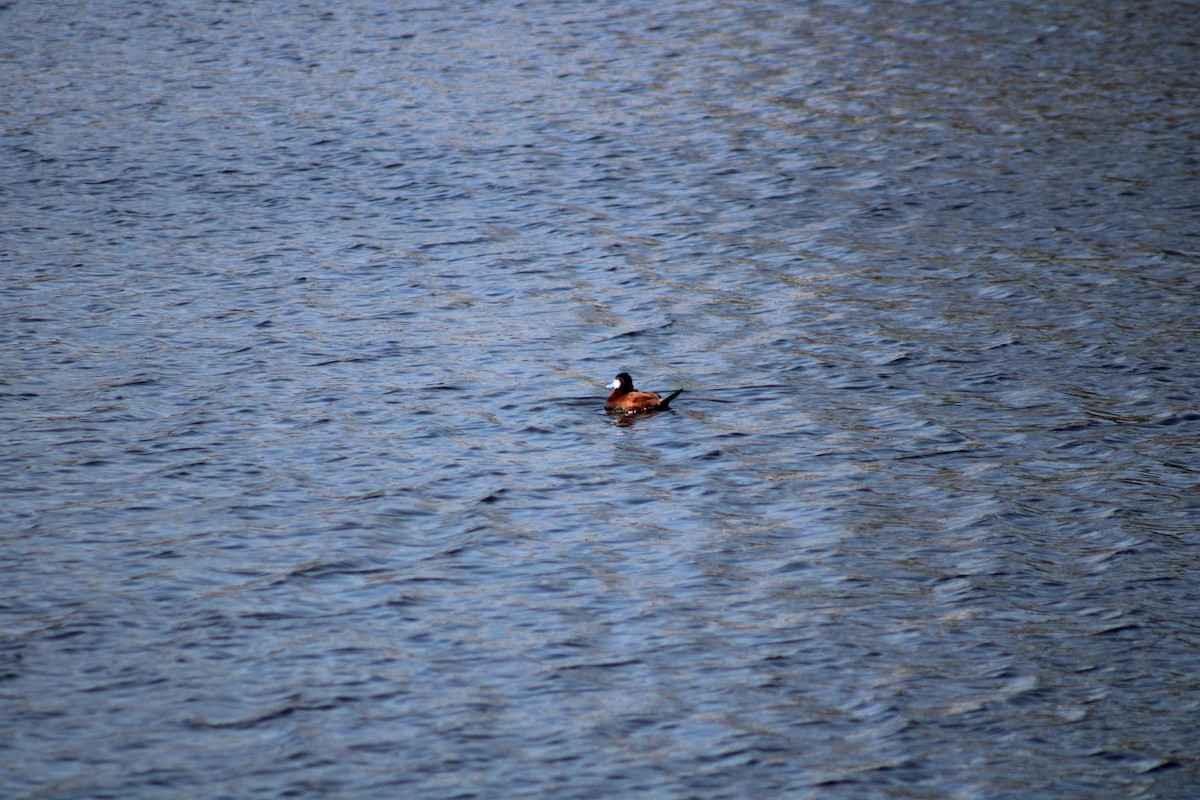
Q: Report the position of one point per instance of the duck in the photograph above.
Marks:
(624, 400)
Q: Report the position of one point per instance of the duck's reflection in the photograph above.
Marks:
(629, 420)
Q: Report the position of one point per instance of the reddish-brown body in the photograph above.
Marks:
(624, 400)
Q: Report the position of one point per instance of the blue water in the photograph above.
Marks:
(306, 314)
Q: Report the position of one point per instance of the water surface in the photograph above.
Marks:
(307, 489)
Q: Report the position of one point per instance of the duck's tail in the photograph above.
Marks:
(667, 401)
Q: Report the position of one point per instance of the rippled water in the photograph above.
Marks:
(307, 489)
